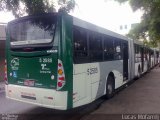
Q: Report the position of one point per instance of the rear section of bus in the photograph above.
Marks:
(34, 71)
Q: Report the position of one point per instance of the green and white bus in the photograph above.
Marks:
(58, 61)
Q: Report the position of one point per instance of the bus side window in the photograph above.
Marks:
(95, 46)
(117, 47)
(80, 45)
(137, 53)
(108, 49)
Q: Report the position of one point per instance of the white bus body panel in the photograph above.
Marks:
(145, 68)
(131, 61)
(81, 85)
(138, 64)
(38, 96)
(152, 61)
(89, 80)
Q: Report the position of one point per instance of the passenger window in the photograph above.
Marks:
(108, 49)
(95, 45)
(117, 47)
(137, 53)
(80, 45)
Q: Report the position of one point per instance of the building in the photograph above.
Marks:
(2, 49)
(125, 28)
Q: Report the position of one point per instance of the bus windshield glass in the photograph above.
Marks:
(33, 30)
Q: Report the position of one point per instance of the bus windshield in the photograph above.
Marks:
(33, 30)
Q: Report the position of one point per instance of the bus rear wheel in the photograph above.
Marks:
(110, 87)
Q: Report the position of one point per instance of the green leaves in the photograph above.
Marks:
(22, 7)
(67, 5)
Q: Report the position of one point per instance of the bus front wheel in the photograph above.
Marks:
(110, 87)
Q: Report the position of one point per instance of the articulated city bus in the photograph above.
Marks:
(58, 61)
(143, 59)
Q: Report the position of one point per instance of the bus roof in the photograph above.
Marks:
(138, 42)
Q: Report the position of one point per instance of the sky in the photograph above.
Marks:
(6, 17)
(105, 13)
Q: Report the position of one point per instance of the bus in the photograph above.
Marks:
(58, 61)
(145, 58)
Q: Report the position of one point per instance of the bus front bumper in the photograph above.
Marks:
(39, 96)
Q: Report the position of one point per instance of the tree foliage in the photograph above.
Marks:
(150, 24)
(22, 7)
(67, 5)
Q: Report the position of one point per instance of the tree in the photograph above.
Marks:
(67, 5)
(150, 24)
(30, 7)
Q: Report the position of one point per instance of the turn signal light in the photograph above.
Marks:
(61, 76)
(60, 71)
(5, 72)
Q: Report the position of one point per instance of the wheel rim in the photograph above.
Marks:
(110, 89)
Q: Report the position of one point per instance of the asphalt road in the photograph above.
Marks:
(141, 97)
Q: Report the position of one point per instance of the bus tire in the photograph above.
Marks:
(110, 87)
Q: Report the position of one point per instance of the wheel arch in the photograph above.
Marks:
(112, 75)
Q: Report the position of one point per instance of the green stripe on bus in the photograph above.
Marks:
(65, 54)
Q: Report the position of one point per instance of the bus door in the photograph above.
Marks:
(125, 61)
